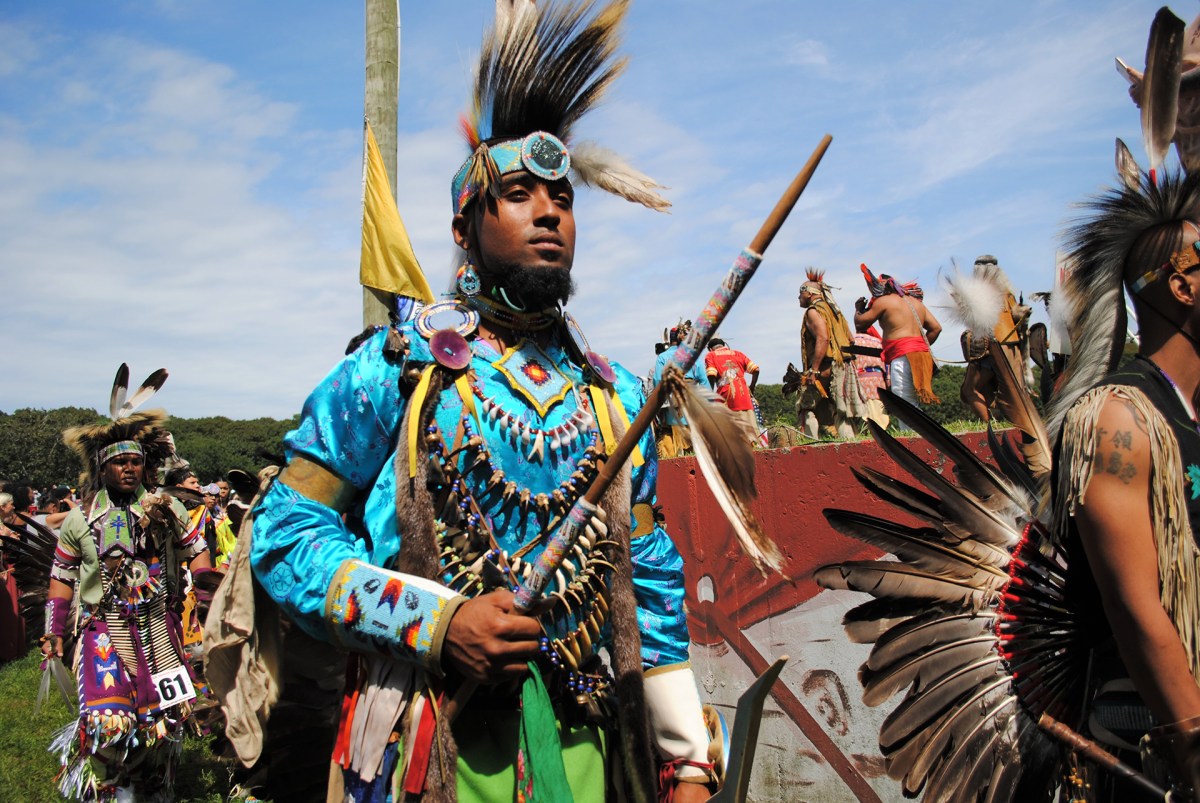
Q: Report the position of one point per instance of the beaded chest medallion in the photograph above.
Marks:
(533, 375)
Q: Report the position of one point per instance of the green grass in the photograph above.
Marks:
(27, 770)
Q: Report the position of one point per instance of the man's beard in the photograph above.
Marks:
(535, 288)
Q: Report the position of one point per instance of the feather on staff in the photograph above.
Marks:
(727, 462)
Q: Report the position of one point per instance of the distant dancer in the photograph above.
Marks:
(120, 555)
(673, 435)
(726, 369)
(826, 343)
(872, 373)
(1009, 329)
(909, 329)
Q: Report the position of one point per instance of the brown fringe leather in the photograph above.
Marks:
(1178, 557)
(921, 363)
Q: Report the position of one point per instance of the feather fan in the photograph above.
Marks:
(726, 460)
(971, 623)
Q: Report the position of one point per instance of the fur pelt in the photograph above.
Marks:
(637, 752)
(146, 427)
(419, 556)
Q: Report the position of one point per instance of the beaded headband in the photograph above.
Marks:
(119, 448)
(1181, 261)
(542, 154)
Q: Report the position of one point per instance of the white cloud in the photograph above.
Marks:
(19, 48)
(146, 238)
(806, 53)
(212, 218)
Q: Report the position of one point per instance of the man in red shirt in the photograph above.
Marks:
(726, 370)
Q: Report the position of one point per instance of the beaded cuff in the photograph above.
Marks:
(56, 616)
(402, 616)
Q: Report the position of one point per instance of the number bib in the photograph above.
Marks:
(174, 686)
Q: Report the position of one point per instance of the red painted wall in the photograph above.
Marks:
(794, 486)
(741, 620)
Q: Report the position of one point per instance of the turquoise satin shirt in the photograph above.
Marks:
(351, 425)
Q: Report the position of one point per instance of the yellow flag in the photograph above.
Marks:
(388, 262)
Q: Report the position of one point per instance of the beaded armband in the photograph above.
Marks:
(402, 616)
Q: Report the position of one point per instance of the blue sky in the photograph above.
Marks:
(180, 181)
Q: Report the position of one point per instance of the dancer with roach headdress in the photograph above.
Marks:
(430, 468)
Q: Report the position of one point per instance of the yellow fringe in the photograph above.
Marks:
(414, 421)
(1178, 557)
(600, 406)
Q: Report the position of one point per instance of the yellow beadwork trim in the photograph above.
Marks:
(414, 419)
(637, 458)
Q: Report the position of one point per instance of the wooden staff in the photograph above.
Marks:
(1098, 755)
(685, 357)
(718, 307)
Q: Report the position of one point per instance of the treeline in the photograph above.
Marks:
(778, 410)
(31, 447)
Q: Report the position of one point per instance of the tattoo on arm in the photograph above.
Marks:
(1121, 469)
(1137, 416)
(1123, 439)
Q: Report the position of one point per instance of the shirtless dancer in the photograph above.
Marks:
(903, 316)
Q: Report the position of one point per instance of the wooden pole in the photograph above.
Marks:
(381, 101)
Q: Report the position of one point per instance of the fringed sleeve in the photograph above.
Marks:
(1178, 557)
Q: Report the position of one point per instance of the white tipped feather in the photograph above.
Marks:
(727, 462)
(599, 167)
(143, 393)
(1160, 85)
(119, 389)
(508, 10)
(1127, 167)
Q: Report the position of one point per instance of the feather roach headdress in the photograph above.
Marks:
(883, 284)
(540, 70)
(816, 284)
(126, 432)
(1100, 248)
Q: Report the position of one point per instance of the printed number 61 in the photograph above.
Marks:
(166, 688)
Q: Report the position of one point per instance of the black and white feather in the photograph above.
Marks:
(969, 624)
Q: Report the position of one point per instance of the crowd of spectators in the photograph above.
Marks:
(216, 507)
